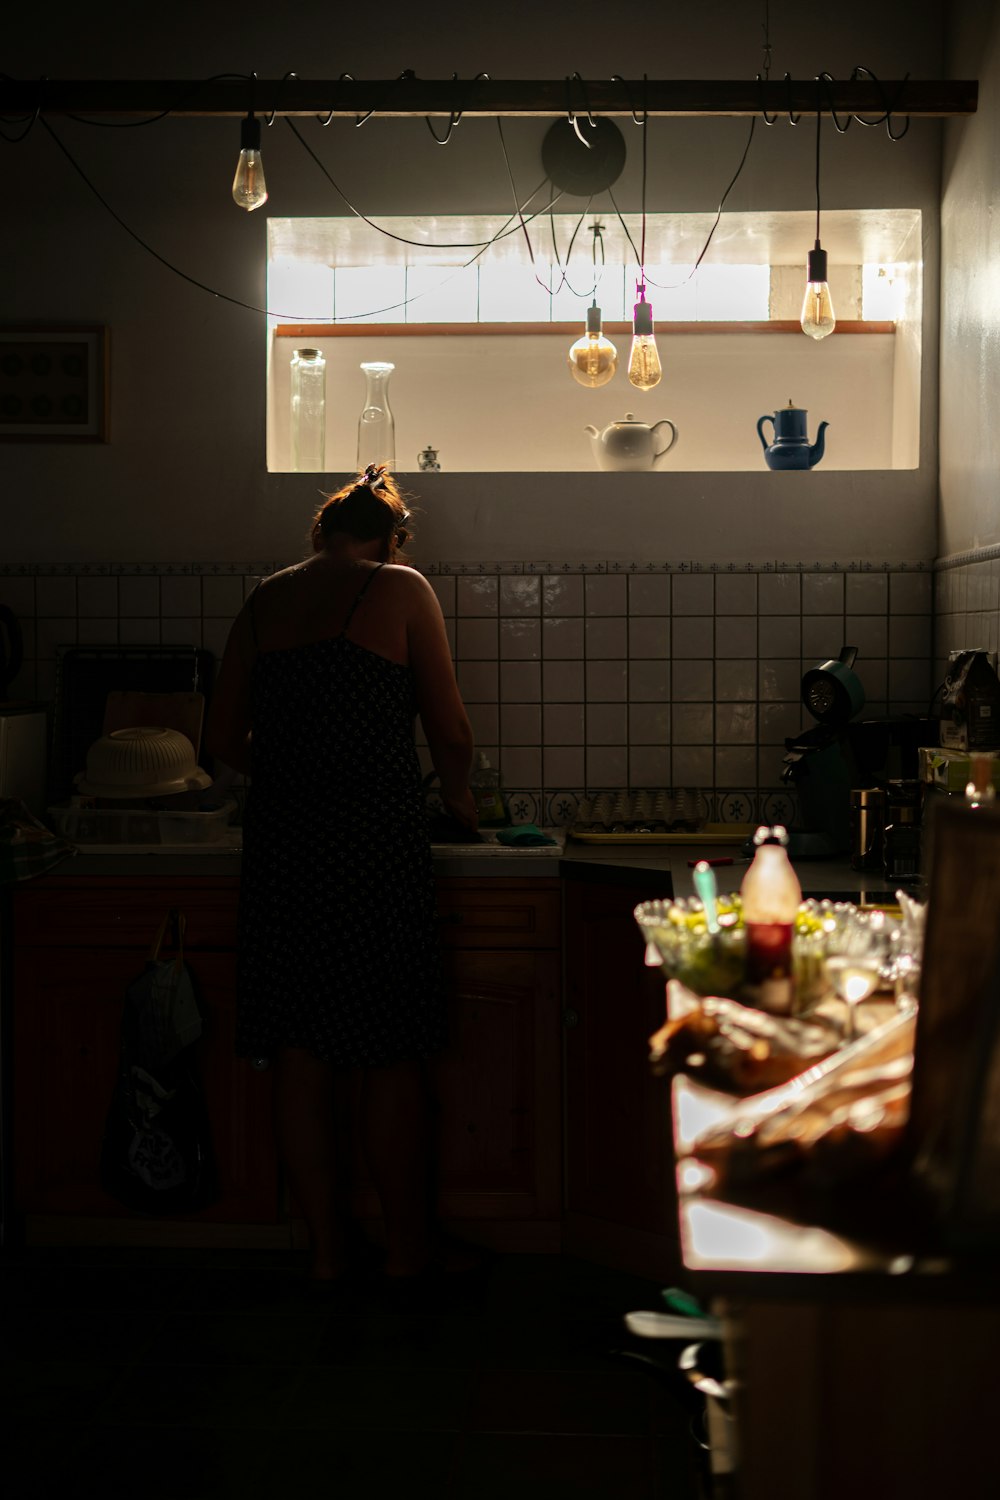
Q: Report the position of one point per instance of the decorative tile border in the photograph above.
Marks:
(558, 809)
(459, 569)
(134, 570)
(463, 569)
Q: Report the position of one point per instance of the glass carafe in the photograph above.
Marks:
(376, 429)
(308, 372)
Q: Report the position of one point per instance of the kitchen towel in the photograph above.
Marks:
(523, 835)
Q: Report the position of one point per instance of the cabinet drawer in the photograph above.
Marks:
(106, 912)
(499, 914)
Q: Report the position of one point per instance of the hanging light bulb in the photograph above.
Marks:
(644, 368)
(817, 318)
(249, 187)
(817, 308)
(593, 359)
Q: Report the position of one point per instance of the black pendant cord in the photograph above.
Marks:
(422, 244)
(564, 280)
(249, 306)
(675, 286)
(645, 140)
(819, 116)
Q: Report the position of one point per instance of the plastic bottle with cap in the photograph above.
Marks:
(485, 784)
(771, 896)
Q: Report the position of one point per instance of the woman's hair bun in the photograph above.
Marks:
(369, 509)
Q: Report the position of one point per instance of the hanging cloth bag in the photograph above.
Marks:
(157, 1155)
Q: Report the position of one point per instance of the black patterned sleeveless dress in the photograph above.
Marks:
(338, 943)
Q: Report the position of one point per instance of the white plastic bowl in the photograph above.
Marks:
(147, 761)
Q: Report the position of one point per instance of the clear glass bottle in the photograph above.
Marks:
(980, 790)
(376, 429)
(771, 896)
(308, 411)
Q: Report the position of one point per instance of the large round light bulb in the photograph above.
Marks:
(817, 307)
(593, 359)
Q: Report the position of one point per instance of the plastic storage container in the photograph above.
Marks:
(109, 825)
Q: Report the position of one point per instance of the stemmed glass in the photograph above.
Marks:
(856, 949)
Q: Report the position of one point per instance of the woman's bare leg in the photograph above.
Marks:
(306, 1134)
(395, 1132)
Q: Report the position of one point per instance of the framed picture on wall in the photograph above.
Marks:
(54, 384)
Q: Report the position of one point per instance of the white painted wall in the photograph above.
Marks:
(970, 293)
(496, 403)
(185, 474)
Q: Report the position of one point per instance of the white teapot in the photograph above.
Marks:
(629, 444)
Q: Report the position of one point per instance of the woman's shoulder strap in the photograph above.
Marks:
(362, 591)
(251, 611)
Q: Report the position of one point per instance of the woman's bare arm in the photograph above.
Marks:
(227, 730)
(442, 712)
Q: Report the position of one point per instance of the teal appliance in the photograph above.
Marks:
(841, 753)
(822, 762)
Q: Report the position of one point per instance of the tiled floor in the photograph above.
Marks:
(192, 1375)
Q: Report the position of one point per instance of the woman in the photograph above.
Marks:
(324, 670)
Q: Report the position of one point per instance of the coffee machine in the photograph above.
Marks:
(842, 752)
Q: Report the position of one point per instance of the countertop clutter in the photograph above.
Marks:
(568, 858)
(553, 1133)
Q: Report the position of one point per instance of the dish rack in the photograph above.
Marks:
(136, 828)
(652, 817)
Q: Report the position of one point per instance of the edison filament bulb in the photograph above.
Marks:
(249, 187)
(593, 359)
(817, 307)
(644, 368)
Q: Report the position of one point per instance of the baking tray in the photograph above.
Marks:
(709, 833)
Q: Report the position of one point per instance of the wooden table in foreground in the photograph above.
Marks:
(858, 1367)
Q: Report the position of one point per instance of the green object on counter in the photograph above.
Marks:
(525, 834)
(680, 1301)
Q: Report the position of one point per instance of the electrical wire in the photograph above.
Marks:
(480, 246)
(564, 280)
(402, 239)
(819, 116)
(520, 215)
(645, 142)
(249, 306)
(182, 97)
(31, 118)
(673, 287)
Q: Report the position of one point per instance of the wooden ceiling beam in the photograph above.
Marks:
(407, 96)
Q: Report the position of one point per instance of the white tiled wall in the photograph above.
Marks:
(967, 606)
(581, 679)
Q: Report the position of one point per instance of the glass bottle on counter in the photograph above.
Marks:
(901, 845)
(771, 896)
(485, 785)
(376, 428)
(308, 380)
(980, 790)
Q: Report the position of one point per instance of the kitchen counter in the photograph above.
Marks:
(620, 864)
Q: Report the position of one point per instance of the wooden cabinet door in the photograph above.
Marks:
(497, 1089)
(67, 1016)
(619, 1158)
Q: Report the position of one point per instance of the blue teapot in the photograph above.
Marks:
(790, 447)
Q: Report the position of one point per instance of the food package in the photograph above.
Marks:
(836, 1119)
(732, 1047)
